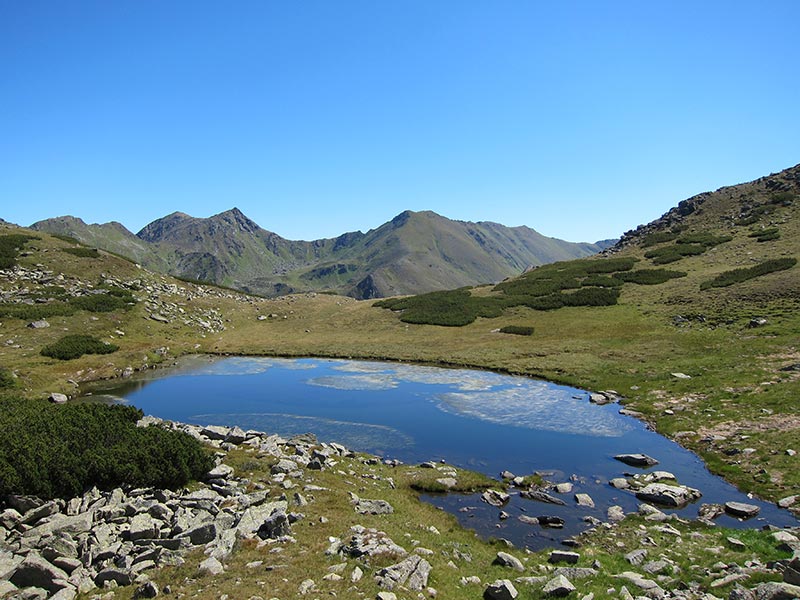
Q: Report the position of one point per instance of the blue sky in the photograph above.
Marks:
(579, 119)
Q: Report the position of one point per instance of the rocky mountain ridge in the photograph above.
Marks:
(415, 252)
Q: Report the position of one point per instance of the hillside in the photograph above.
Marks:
(415, 252)
(715, 368)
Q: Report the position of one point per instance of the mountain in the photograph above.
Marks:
(413, 253)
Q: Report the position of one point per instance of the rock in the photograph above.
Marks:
(40, 512)
(411, 573)
(66, 593)
(495, 498)
(143, 526)
(668, 495)
(651, 513)
(777, 591)
(792, 572)
(710, 511)
(221, 471)
(275, 526)
(557, 556)
(741, 509)
(40, 324)
(550, 521)
(507, 560)
(254, 516)
(118, 576)
(386, 596)
(35, 571)
(564, 488)
(57, 398)
(559, 587)
(619, 483)
(636, 557)
(502, 589)
(786, 541)
(448, 482)
(615, 513)
(373, 507)
(575, 572)
(757, 322)
(356, 574)
(158, 317)
(306, 587)
(637, 460)
(201, 535)
(147, 590)
(650, 587)
(681, 375)
(370, 542)
(212, 566)
(584, 500)
(541, 496)
(787, 501)
(736, 543)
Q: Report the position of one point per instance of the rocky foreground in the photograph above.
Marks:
(102, 540)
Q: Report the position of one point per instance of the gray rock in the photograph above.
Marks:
(41, 324)
(650, 587)
(575, 572)
(504, 559)
(502, 589)
(777, 591)
(201, 534)
(254, 516)
(668, 495)
(221, 471)
(615, 513)
(370, 542)
(636, 557)
(741, 509)
(115, 574)
(637, 460)
(373, 507)
(495, 498)
(57, 398)
(787, 501)
(541, 496)
(65, 593)
(584, 500)
(792, 572)
(143, 526)
(383, 595)
(212, 565)
(411, 573)
(619, 483)
(557, 556)
(147, 590)
(274, 526)
(559, 587)
(35, 571)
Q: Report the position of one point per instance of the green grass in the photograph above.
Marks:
(10, 246)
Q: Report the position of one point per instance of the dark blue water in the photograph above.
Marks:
(473, 419)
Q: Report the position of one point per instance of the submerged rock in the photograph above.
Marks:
(637, 460)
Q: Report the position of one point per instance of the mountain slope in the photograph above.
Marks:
(415, 252)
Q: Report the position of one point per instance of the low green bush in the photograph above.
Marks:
(669, 254)
(517, 330)
(105, 302)
(709, 240)
(82, 252)
(784, 198)
(65, 238)
(75, 346)
(766, 235)
(648, 276)
(62, 450)
(659, 237)
(10, 246)
(738, 275)
(34, 312)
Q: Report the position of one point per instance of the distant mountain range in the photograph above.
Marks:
(413, 253)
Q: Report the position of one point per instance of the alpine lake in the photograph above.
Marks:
(476, 420)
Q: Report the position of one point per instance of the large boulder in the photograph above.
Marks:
(411, 573)
(35, 571)
(502, 589)
(504, 559)
(741, 509)
(559, 586)
(274, 526)
(637, 460)
(668, 495)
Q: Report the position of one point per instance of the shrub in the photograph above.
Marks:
(10, 245)
(62, 450)
(659, 237)
(75, 346)
(65, 238)
(784, 198)
(738, 275)
(82, 252)
(668, 254)
(517, 330)
(708, 240)
(766, 235)
(34, 312)
(648, 276)
(602, 281)
(106, 302)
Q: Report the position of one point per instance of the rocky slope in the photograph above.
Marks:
(413, 253)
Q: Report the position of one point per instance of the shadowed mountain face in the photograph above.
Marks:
(413, 253)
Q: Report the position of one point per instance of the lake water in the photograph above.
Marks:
(473, 419)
